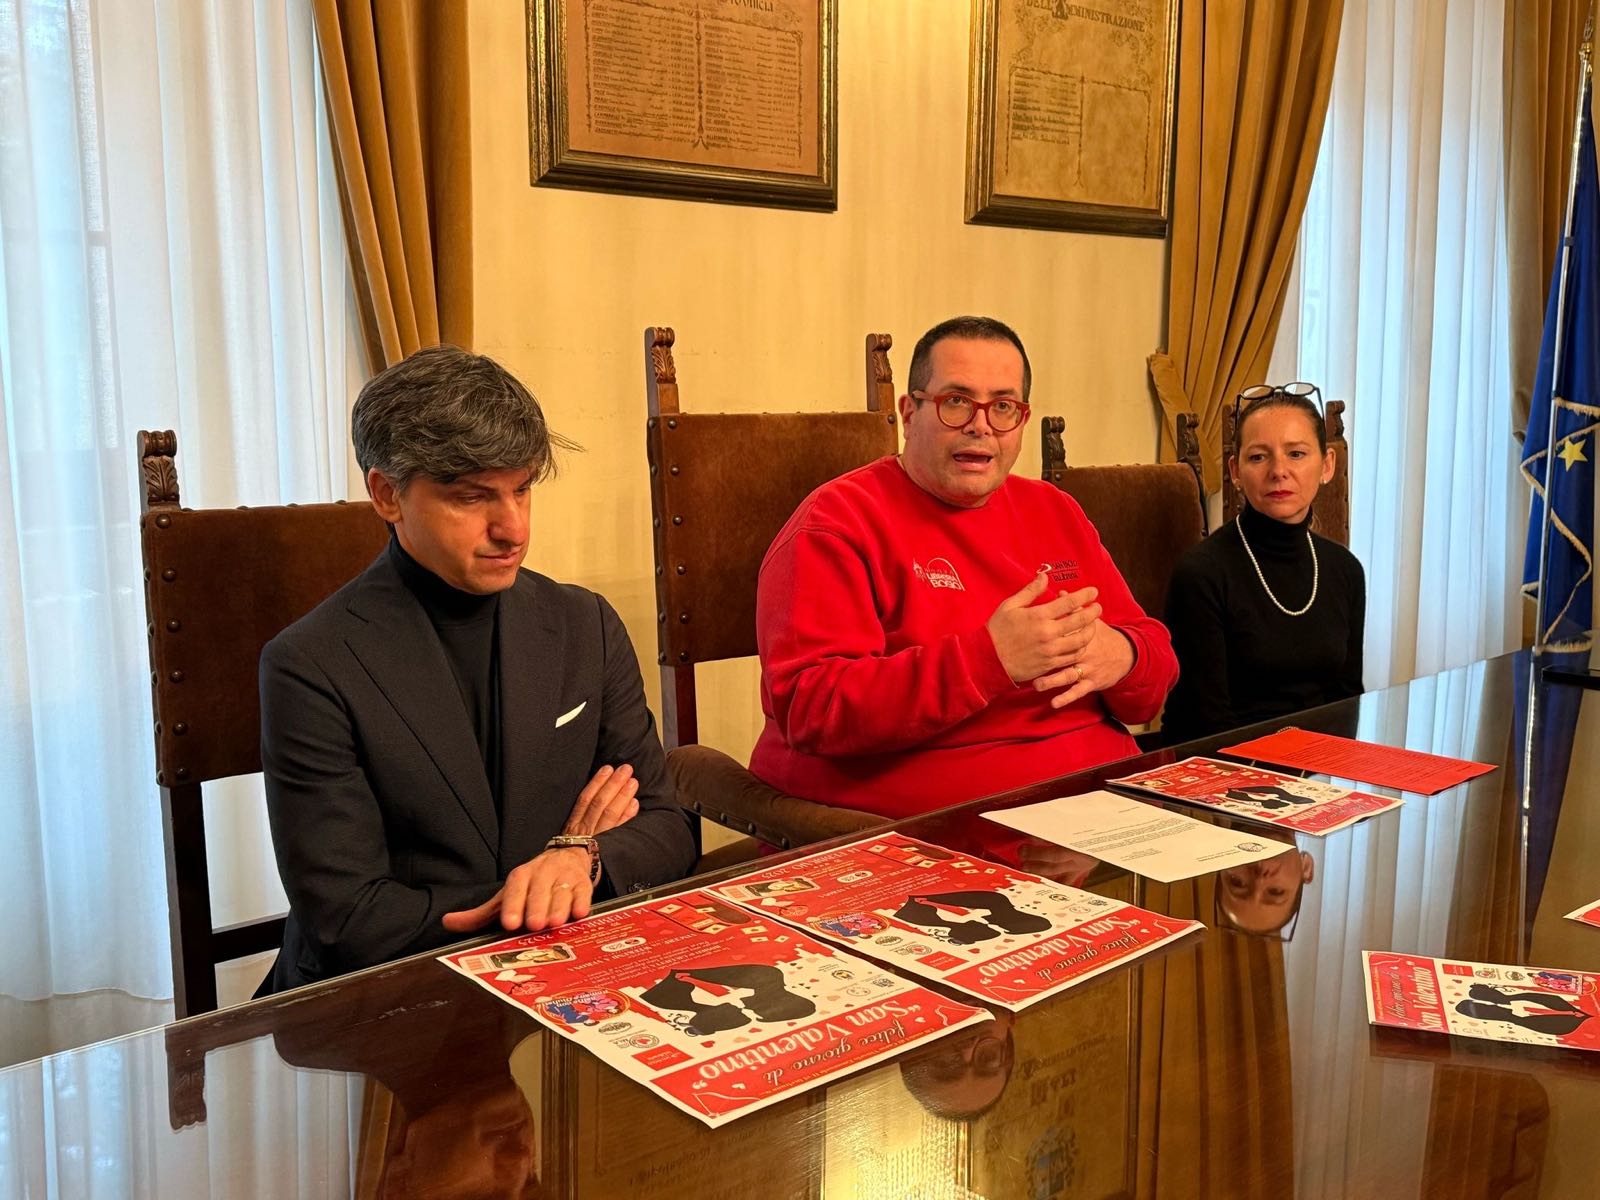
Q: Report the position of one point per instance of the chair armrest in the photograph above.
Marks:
(721, 790)
(746, 849)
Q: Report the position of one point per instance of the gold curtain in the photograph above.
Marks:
(1541, 98)
(396, 78)
(1253, 83)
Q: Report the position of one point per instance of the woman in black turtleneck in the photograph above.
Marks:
(1266, 616)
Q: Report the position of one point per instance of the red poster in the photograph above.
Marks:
(1532, 1005)
(1002, 935)
(1589, 914)
(1287, 800)
(1386, 766)
(709, 1005)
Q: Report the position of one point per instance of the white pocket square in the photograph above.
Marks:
(567, 716)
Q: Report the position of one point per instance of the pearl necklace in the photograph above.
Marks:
(1278, 604)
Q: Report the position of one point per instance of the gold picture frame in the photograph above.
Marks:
(722, 100)
(1058, 94)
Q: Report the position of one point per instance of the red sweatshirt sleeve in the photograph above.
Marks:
(1139, 695)
(832, 687)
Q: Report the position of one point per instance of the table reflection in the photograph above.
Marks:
(1235, 1063)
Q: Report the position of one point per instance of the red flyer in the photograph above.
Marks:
(1004, 936)
(1386, 766)
(1589, 914)
(1531, 1005)
(1299, 804)
(710, 1006)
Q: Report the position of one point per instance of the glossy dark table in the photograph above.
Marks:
(1235, 1064)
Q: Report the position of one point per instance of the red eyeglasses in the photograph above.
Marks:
(957, 410)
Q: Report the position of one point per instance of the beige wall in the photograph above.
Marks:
(770, 306)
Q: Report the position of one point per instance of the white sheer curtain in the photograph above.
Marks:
(171, 256)
(1401, 312)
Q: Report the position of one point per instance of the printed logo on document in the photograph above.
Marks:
(938, 573)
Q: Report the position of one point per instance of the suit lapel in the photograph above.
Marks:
(532, 666)
(398, 648)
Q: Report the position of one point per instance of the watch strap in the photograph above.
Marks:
(570, 841)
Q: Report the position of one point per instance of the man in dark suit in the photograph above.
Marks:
(450, 739)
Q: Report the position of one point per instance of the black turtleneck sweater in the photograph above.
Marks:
(1240, 659)
(468, 628)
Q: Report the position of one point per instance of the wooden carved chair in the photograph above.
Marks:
(1331, 515)
(1147, 515)
(219, 584)
(721, 486)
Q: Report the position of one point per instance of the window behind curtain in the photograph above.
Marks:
(171, 256)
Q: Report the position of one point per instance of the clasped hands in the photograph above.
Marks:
(553, 888)
(1061, 645)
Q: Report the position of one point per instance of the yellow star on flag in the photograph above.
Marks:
(1571, 452)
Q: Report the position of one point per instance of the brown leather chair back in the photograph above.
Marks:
(721, 487)
(1331, 515)
(1147, 515)
(219, 584)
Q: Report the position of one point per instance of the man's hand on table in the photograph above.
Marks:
(553, 887)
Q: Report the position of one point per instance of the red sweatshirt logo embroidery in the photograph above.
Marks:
(1063, 571)
(938, 573)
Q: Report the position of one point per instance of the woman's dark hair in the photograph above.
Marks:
(1281, 399)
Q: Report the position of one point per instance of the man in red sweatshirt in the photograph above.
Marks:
(932, 630)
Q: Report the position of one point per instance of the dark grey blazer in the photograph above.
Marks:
(381, 813)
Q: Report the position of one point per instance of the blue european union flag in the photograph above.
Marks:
(1566, 607)
(1566, 610)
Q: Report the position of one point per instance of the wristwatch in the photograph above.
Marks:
(567, 841)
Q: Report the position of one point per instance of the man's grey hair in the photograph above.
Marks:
(445, 412)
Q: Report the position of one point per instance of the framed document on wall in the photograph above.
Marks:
(731, 100)
(1070, 114)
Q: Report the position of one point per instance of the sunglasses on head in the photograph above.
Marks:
(1256, 392)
